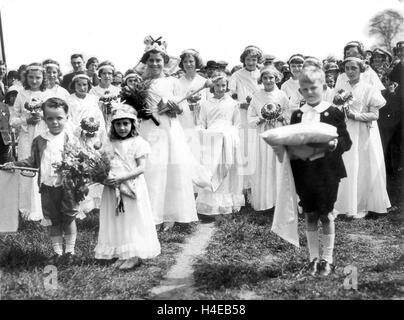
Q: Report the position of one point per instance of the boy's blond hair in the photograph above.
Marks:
(311, 74)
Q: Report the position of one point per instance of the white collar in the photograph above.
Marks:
(324, 105)
(49, 136)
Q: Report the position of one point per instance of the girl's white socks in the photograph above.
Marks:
(313, 244)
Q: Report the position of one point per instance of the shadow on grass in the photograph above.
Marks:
(218, 276)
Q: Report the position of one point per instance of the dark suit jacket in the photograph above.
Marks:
(67, 78)
(331, 164)
(5, 123)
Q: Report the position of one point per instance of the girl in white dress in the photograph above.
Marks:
(242, 84)
(365, 187)
(105, 91)
(264, 180)
(83, 105)
(126, 232)
(191, 81)
(170, 170)
(29, 124)
(53, 75)
(291, 86)
(219, 120)
(355, 48)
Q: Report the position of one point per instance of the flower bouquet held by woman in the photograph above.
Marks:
(137, 97)
(272, 112)
(343, 101)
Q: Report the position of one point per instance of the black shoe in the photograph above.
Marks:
(325, 268)
(69, 259)
(313, 267)
(54, 260)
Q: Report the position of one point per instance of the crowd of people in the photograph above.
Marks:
(195, 151)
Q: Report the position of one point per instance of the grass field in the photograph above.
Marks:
(244, 260)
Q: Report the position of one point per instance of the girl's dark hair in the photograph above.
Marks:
(90, 61)
(147, 54)
(196, 56)
(113, 135)
(44, 83)
(55, 103)
(105, 63)
(73, 83)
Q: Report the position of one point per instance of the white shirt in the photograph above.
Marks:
(52, 153)
(311, 114)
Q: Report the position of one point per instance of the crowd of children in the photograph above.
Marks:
(195, 151)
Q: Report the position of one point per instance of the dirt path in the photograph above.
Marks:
(178, 282)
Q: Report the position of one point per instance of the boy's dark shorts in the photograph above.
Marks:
(317, 190)
(58, 205)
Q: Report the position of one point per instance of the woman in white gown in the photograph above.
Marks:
(365, 187)
(186, 84)
(264, 181)
(219, 120)
(83, 105)
(242, 84)
(170, 167)
(29, 124)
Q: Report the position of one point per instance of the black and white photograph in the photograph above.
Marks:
(201, 156)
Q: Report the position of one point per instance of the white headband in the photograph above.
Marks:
(107, 66)
(131, 75)
(353, 59)
(35, 68)
(84, 76)
(51, 65)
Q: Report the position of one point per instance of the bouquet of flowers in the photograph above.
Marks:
(34, 106)
(89, 126)
(271, 113)
(80, 167)
(137, 97)
(343, 100)
(106, 101)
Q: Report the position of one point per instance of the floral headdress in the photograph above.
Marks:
(155, 44)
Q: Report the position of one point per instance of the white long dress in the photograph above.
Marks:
(29, 198)
(364, 189)
(291, 88)
(79, 109)
(264, 182)
(171, 166)
(131, 233)
(219, 121)
(58, 92)
(189, 118)
(244, 84)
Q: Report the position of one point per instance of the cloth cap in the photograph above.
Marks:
(211, 64)
(400, 45)
(222, 63)
(382, 52)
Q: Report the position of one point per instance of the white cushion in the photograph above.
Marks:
(300, 133)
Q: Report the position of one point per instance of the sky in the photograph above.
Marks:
(219, 29)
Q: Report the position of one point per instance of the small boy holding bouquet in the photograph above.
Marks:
(317, 177)
(58, 204)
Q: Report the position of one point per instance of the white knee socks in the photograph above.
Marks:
(57, 244)
(313, 244)
(327, 242)
(70, 242)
